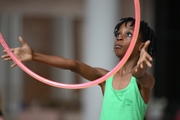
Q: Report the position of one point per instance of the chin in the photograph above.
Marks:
(120, 56)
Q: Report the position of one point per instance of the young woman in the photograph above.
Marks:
(126, 94)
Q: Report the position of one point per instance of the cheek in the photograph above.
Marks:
(128, 42)
(128, 39)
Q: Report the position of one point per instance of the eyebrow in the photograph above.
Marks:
(131, 28)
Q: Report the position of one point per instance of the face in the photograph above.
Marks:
(123, 39)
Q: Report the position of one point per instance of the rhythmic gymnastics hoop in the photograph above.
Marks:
(88, 84)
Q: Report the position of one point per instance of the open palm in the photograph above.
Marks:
(23, 53)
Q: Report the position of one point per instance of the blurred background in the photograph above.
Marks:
(83, 30)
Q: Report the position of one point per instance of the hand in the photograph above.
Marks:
(23, 53)
(144, 61)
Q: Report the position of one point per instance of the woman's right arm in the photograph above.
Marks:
(86, 71)
(25, 53)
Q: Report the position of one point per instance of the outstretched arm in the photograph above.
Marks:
(139, 71)
(145, 80)
(25, 53)
(78, 67)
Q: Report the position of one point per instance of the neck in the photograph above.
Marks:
(128, 66)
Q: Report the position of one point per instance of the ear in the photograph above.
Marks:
(141, 46)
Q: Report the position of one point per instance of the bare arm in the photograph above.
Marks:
(145, 80)
(25, 53)
(84, 70)
(78, 67)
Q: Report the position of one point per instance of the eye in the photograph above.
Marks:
(129, 34)
(117, 35)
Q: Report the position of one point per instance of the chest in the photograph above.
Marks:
(121, 82)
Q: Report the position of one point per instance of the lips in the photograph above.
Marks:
(118, 46)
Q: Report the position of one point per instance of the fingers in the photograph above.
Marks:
(149, 58)
(6, 57)
(144, 64)
(145, 57)
(145, 60)
(140, 67)
(146, 45)
(12, 49)
(148, 63)
(13, 65)
(22, 41)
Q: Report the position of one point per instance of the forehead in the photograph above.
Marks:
(127, 25)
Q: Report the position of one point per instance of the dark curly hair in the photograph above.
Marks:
(146, 32)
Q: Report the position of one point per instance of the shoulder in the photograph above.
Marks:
(102, 72)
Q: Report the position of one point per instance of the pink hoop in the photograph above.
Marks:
(88, 84)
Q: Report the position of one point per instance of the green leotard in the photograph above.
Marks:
(125, 104)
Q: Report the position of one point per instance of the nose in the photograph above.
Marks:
(119, 38)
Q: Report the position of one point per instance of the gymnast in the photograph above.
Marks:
(127, 92)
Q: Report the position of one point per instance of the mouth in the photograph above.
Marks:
(117, 46)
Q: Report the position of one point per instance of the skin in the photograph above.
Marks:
(135, 66)
(1, 118)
